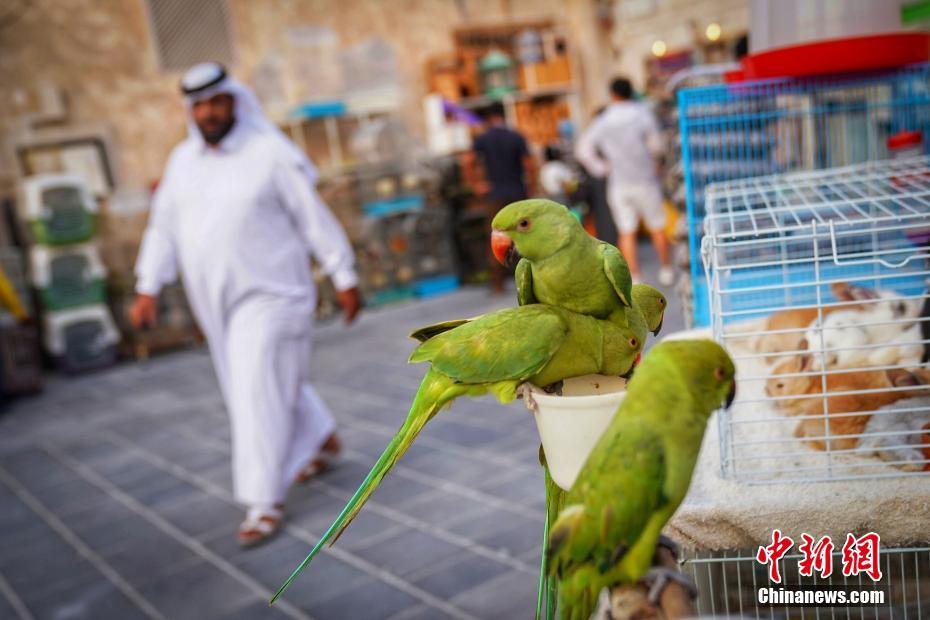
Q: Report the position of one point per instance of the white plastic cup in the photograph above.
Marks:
(570, 425)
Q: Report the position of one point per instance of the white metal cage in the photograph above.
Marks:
(729, 581)
(818, 287)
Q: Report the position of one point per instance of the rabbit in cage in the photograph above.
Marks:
(885, 320)
(905, 419)
(808, 389)
(797, 319)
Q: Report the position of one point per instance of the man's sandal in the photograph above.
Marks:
(320, 463)
(260, 526)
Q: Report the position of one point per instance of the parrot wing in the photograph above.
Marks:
(524, 280)
(618, 272)
(512, 344)
(428, 331)
(615, 495)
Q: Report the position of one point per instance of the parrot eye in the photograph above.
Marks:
(523, 225)
(719, 373)
(633, 342)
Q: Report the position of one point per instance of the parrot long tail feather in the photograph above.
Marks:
(542, 593)
(433, 395)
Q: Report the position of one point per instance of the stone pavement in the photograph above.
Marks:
(115, 495)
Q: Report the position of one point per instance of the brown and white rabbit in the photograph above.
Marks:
(798, 319)
(845, 429)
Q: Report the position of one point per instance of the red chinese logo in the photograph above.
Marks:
(817, 557)
(860, 555)
(774, 552)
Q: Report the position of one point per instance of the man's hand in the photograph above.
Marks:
(144, 311)
(351, 302)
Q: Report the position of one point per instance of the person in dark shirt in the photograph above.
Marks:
(509, 169)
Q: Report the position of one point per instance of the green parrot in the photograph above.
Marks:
(637, 476)
(646, 313)
(494, 353)
(560, 264)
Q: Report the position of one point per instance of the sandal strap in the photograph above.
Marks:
(262, 518)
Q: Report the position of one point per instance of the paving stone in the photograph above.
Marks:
(112, 530)
(519, 489)
(100, 600)
(395, 490)
(70, 496)
(461, 434)
(490, 522)
(441, 508)
(472, 571)
(257, 610)
(149, 554)
(26, 577)
(516, 536)
(512, 595)
(421, 612)
(91, 450)
(36, 541)
(196, 592)
(33, 464)
(374, 600)
(200, 514)
(460, 469)
(409, 551)
(325, 578)
(6, 608)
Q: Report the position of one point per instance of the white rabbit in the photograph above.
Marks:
(883, 322)
(903, 449)
(841, 330)
(888, 319)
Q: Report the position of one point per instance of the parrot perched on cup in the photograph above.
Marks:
(646, 313)
(637, 475)
(494, 353)
(558, 262)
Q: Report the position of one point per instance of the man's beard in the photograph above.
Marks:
(213, 136)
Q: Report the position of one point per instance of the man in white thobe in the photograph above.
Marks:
(237, 213)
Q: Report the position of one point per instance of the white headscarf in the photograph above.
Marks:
(247, 110)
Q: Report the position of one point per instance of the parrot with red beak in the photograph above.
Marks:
(559, 263)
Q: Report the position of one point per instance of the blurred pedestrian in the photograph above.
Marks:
(624, 144)
(509, 170)
(237, 212)
(557, 180)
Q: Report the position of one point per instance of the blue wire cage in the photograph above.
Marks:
(749, 129)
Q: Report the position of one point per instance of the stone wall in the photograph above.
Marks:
(102, 55)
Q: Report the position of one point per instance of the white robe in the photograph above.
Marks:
(239, 220)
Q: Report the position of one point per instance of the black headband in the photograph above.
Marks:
(219, 78)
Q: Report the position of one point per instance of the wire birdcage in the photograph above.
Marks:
(818, 287)
(736, 131)
(729, 582)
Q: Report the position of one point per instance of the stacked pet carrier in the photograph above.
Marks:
(809, 244)
(748, 129)
(818, 287)
(61, 213)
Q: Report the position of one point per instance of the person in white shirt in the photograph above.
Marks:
(624, 144)
(238, 214)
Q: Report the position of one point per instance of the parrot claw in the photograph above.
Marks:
(554, 388)
(671, 545)
(659, 577)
